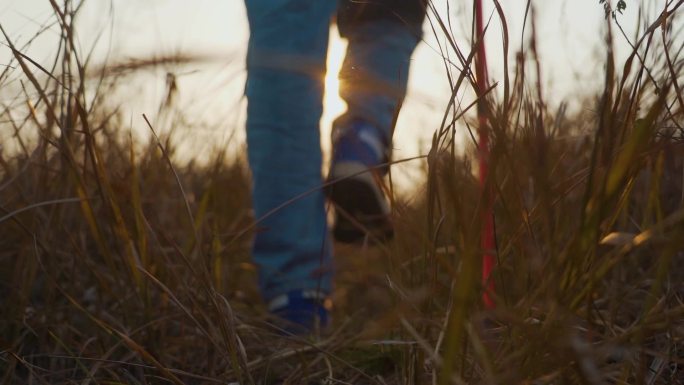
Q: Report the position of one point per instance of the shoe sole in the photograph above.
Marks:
(361, 209)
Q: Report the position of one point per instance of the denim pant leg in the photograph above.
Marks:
(374, 74)
(285, 72)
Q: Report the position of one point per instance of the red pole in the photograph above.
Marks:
(486, 215)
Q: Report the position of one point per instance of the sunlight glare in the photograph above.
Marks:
(333, 105)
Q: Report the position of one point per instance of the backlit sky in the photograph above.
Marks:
(570, 38)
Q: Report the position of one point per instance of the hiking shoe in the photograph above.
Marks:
(361, 208)
(302, 310)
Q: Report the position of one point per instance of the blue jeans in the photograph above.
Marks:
(285, 68)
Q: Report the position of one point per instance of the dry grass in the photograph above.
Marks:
(118, 266)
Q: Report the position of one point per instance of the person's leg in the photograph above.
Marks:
(285, 69)
(382, 37)
(373, 80)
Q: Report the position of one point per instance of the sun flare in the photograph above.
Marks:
(333, 105)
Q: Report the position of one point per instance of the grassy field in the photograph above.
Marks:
(118, 265)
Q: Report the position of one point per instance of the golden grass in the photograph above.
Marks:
(119, 266)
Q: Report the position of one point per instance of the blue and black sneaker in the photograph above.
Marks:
(302, 310)
(358, 165)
